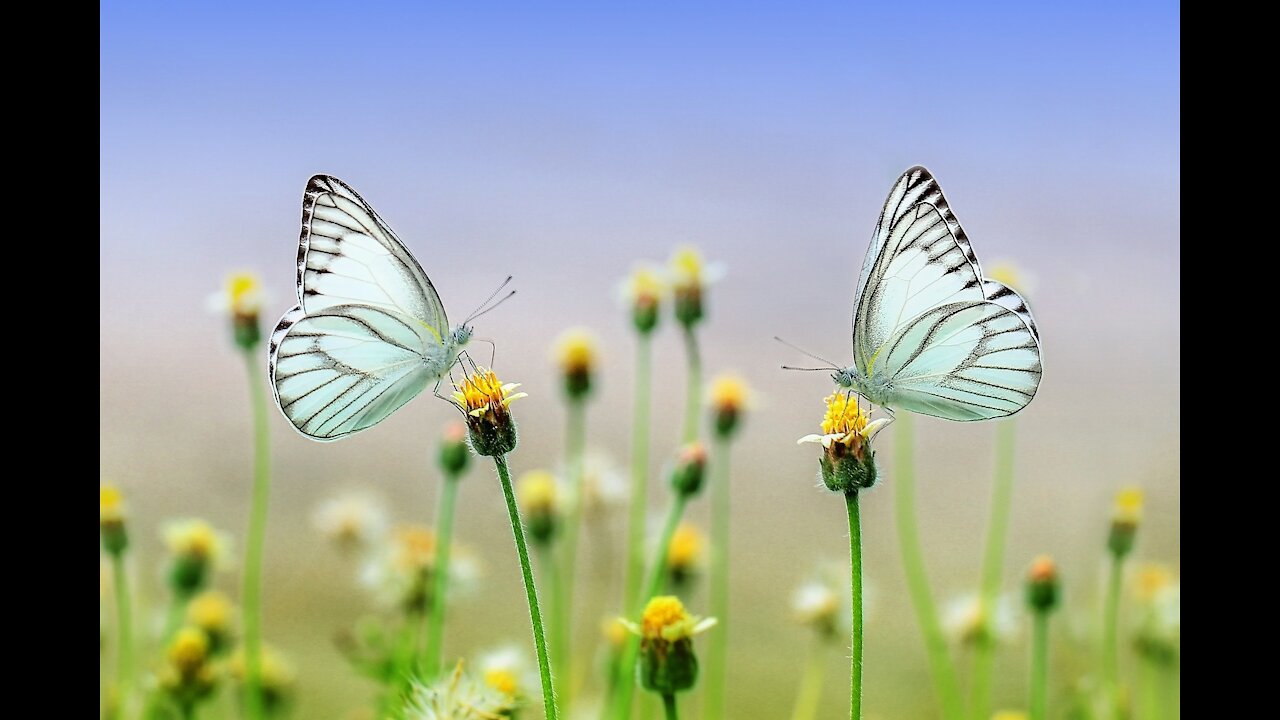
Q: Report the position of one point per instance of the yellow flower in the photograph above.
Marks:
(644, 287)
(575, 351)
(242, 296)
(666, 619)
(685, 549)
(211, 612)
(486, 401)
(845, 424)
(728, 397)
(1008, 273)
(1152, 579)
(351, 520)
(689, 276)
(189, 650)
(414, 548)
(538, 492)
(614, 631)
(502, 670)
(110, 505)
(195, 539)
(278, 674)
(1128, 507)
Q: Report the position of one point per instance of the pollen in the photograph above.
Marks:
(844, 416)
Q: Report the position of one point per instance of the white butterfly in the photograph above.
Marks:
(369, 332)
(930, 333)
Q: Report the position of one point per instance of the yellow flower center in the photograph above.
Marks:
(1151, 580)
(196, 539)
(244, 290)
(110, 504)
(645, 287)
(502, 680)
(685, 547)
(728, 393)
(210, 611)
(189, 649)
(537, 490)
(1043, 569)
(615, 632)
(844, 416)
(666, 619)
(482, 393)
(686, 266)
(1128, 509)
(415, 547)
(576, 351)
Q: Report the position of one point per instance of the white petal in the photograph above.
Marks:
(875, 426)
(810, 439)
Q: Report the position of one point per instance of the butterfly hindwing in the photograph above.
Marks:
(344, 368)
(968, 360)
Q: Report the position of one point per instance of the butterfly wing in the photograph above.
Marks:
(343, 368)
(347, 255)
(967, 360)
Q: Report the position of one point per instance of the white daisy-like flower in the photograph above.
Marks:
(352, 520)
(964, 621)
(507, 669)
(241, 296)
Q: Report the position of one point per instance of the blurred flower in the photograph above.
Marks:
(188, 676)
(458, 696)
(728, 397)
(1125, 518)
(1159, 614)
(211, 612)
(614, 630)
(685, 551)
(576, 354)
(486, 400)
(196, 550)
(454, 455)
(538, 494)
(278, 678)
(241, 299)
(111, 514)
(1011, 274)
(1042, 584)
(1152, 578)
(966, 623)
(848, 462)
(666, 630)
(690, 276)
(817, 604)
(690, 469)
(604, 487)
(643, 291)
(352, 520)
(508, 671)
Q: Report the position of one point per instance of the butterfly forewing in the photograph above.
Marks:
(349, 256)
(342, 369)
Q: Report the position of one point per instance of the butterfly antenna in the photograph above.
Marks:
(817, 369)
(481, 310)
(806, 353)
(486, 310)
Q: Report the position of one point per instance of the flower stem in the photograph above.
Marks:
(559, 648)
(639, 471)
(439, 598)
(575, 443)
(1110, 639)
(652, 583)
(718, 653)
(124, 635)
(855, 593)
(693, 396)
(992, 569)
(669, 704)
(1040, 666)
(252, 584)
(943, 672)
(530, 591)
(810, 693)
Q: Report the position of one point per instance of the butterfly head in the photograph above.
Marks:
(462, 335)
(846, 378)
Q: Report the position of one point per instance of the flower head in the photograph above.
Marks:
(241, 299)
(1042, 584)
(211, 612)
(278, 677)
(111, 514)
(690, 469)
(666, 630)
(539, 495)
(643, 291)
(454, 456)
(576, 354)
(486, 402)
(729, 396)
(351, 521)
(848, 462)
(458, 696)
(689, 277)
(188, 676)
(817, 604)
(615, 630)
(1160, 624)
(967, 622)
(1151, 580)
(506, 670)
(1125, 518)
(196, 549)
(684, 553)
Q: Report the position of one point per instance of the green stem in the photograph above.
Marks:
(855, 594)
(718, 652)
(693, 391)
(252, 585)
(810, 693)
(174, 616)
(530, 591)
(1150, 686)
(669, 705)
(559, 647)
(993, 569)
(940, 666)
(439, 598)
(1040, 666)
(639, 472)
(575, 443)
(626, 668)
(1110, 639)
(124, 635)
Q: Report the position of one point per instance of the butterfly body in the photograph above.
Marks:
(930, 333)
(369, 331)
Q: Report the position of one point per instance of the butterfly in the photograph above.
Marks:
(369, 331)
(930, 334)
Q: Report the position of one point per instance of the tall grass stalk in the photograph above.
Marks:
(575, 445)
(940, 666)
(718, 653)
(639, 471)
(1040, 665)
(992, 570)
(252, 584)
(439, 597)
(693, 391)
(1110, 637)
(124, 635)
(810, 692)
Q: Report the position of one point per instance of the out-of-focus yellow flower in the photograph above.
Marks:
(189, 650)
(538, 493)
(1152, 578)
(643, 291)
(576, 354)
(414, 548)
(690, 276)
(111, 519)
(211, 612)
(241, 299)
(1009, 273)
(1042, 584)
(728, 397)
(1128, 509)
(614, 631)
(351, 521)
(196, 550)
(967, 622)
(685, 551)
(278, 677)
(486, 400)
(505, 670)
(188, 676)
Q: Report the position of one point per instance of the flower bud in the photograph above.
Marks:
(454, 455)
(1042, 584)
(690, 470)
(576, 355)
(539, 499)
(111, 520)
(1125, 518)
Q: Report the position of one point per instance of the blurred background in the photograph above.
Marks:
(562, 144)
